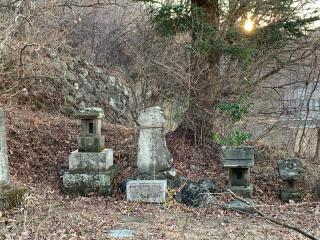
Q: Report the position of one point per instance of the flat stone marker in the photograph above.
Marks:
(121, 233)
(150, 191)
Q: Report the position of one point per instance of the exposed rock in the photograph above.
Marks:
(197, 194)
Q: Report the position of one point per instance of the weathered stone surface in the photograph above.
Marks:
(242, 206)
(91, 144)
(85, 183)
(90, 113)
(150, 191)
(90, 161)
(197, 194)
(289, 169)
(4, 167)
(244, 191)
(11, 196)
(153, 155)
(121, 233)
(238, 157)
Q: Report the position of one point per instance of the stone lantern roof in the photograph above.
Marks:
(238, 157)
(90, 113)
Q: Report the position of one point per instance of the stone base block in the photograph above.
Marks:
(285, 196)
(242, 190)
(90, 161)
(91, 143)
(85, 183)
(11, 197)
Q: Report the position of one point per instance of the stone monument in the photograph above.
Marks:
(153, 159)
(239, 161)
(10, 196)
(289, 172)
(91, 167)
(153, 155)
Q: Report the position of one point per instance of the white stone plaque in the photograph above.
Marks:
(150, 191)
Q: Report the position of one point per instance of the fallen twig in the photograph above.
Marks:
(283, 224)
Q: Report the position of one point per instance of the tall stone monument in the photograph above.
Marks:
(10, 196)
(4, 167)
(91, 167)
(153, 159)
(153, 155)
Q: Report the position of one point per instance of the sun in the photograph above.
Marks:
(248, 25)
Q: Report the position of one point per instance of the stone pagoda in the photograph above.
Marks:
(239, 161)
(289, 172)
(91, 167)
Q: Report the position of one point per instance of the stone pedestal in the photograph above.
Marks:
(153, 155)
(289, 172)
(91, 167)
(10, 196)
(239, 161)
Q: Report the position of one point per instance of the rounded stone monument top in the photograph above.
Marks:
(90, 113)
(152, 117)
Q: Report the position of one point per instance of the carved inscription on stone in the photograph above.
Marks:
(151, 191)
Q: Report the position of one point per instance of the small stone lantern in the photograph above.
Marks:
(239, 161)
(90, 139)
(91, 167)
(289, 172)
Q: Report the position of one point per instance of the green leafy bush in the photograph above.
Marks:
(235, 138)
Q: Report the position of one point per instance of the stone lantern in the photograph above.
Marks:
(289, 172)
(91, 167)
(90, 139)
(239, 161)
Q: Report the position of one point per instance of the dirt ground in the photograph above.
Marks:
(39, 145)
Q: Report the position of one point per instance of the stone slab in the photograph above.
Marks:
(85, 183)
(121, 233)
(90, 161)
(90, 143)
(244, 191)
(11, 197)
(242, 206)
(150, 191)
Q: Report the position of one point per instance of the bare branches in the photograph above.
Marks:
(278, 222)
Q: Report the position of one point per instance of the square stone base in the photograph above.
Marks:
(242, 190)
(285, 196)
(81, 183)
(90, 161)
(11, 197)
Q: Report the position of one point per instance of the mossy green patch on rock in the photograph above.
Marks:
(11, 197)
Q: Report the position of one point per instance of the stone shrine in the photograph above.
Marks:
(153, 155)
(239, 161)
(10, 196)
(289, 172)
(91, 167)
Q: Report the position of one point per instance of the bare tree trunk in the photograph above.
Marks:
(317, 153)
(205, 74)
